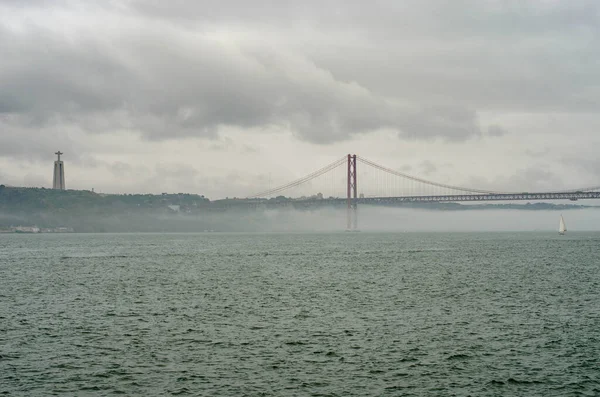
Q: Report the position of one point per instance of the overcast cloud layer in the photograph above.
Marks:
(225, 98)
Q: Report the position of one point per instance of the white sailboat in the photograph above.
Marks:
(562, 229)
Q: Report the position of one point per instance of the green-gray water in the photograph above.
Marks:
(362, 314)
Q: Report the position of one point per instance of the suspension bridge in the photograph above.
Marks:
(338, 183)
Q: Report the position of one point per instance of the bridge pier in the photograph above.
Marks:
(352, 199)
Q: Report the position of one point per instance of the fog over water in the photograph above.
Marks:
(400, 219)
(370, 219)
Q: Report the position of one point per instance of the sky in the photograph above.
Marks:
(228, 98)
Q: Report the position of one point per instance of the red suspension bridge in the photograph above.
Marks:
(339, 181)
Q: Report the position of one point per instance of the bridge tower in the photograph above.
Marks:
(352, 202)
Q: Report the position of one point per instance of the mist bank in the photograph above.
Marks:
(86, 211)
(320, 220)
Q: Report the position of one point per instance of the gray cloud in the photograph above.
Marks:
(166, 82)
(536, 178)
(590, 166)
(19, 139)
(495, 130)
(427, 167)
(413, 17)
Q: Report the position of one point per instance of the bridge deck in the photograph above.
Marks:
(486, 197)
(573, 196)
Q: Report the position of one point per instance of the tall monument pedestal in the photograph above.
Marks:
(59, 173)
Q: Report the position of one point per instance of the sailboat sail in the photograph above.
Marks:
(561, 227)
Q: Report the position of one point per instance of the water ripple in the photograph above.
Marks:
(318, 315)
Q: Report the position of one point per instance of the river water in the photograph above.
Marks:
(346, 314)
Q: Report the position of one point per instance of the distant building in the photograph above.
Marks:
(59, 173)
(27, 229)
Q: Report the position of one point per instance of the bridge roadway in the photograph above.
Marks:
(573, 196)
